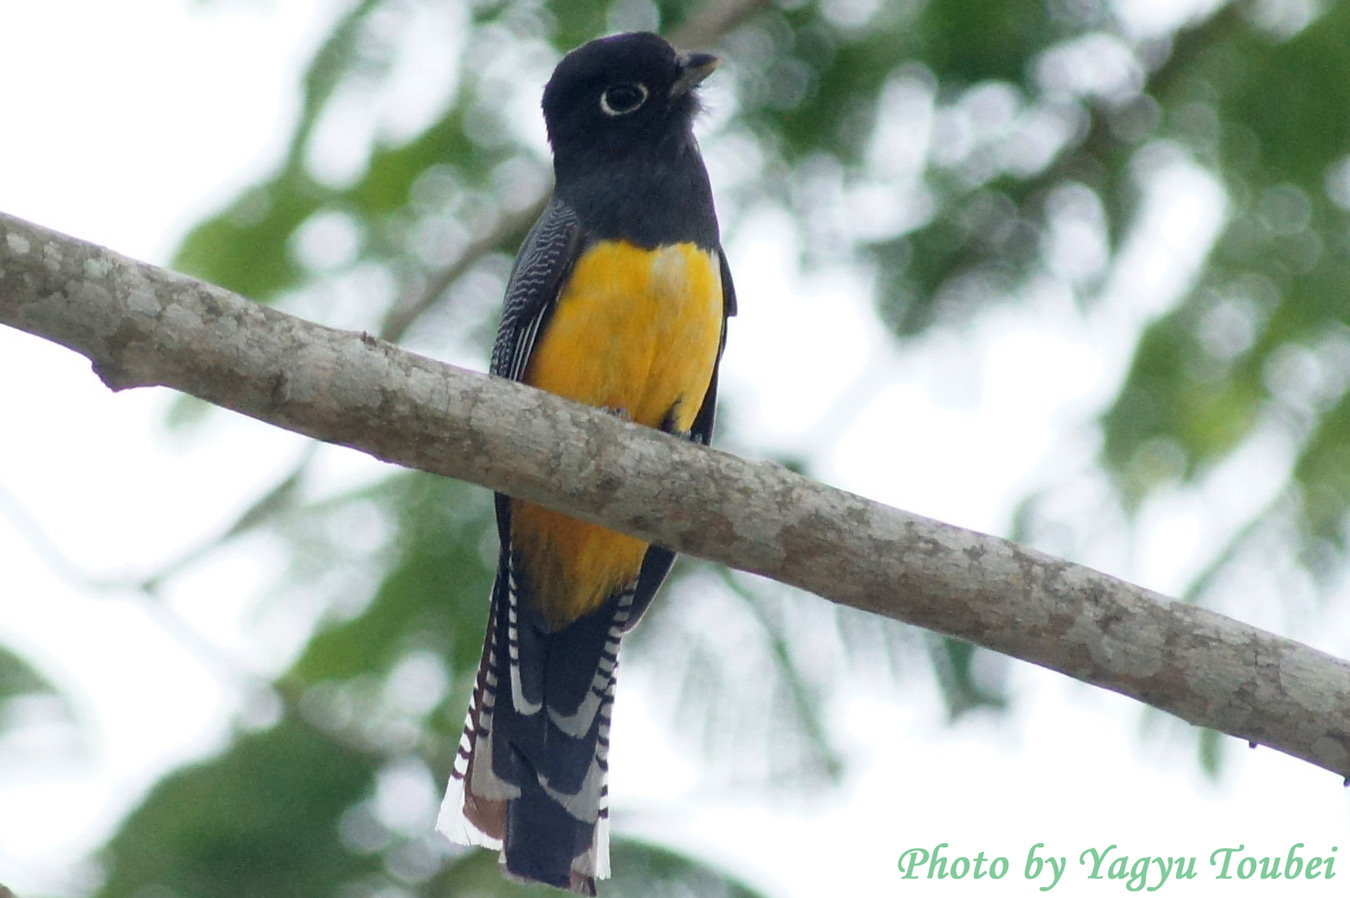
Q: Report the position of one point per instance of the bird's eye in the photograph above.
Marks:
(623, 99)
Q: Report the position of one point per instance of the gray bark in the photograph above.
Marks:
(144, 326)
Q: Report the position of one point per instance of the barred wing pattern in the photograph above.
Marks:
(542, 266)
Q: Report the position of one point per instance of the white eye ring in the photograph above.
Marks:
(612, 111)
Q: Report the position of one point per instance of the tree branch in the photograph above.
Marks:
(142, 326)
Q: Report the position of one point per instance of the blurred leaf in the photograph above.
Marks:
(1256, 342)
(1211, 751)
(38, 722)
(970, 40)
(259, 820)
(246, 247)
(963, 688)
(651, 871)
(434, 592)
(286, 812)
(1172, 417)
(574, 23)
(1290, 95)
(1322, 473)
(19, 678)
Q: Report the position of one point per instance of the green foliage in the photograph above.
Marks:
(291, 811)
(259, 820)
(245, 247)
(433, 596)
(964, 689)
(1258, 341)
(23, 688)
(19, 678)
(968, 41)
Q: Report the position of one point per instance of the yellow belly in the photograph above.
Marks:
(635, 331)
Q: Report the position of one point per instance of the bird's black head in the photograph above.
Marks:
(622, 96)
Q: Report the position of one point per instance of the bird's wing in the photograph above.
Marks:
(542, 266)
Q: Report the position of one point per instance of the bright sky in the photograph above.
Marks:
(127, 127)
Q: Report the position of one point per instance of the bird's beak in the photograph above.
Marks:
(693, 68)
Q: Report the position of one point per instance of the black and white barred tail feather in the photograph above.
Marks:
(530, 776)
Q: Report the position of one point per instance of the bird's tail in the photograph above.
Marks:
(530, 776)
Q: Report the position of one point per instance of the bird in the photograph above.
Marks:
(619, 298)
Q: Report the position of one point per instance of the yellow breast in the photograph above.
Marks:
(635, 331)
